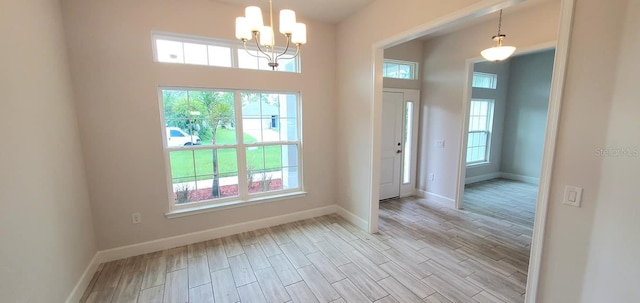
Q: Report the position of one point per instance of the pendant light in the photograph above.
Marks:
(498, 52)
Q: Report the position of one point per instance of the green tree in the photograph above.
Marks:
(188, 114)
(220, 114)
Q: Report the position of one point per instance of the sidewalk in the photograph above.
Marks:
(223, 181)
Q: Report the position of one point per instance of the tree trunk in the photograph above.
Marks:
(215, 188)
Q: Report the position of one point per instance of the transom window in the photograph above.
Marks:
(484, 80)
(184, 49)
(230, 146)
(480, 126)
(398, 69)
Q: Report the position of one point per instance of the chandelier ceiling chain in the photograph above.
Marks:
(499, 24)
(251, 27)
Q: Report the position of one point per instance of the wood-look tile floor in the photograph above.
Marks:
(423, 253)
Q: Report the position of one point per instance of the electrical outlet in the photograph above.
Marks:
(440, 143)
(136, 218)
(432, 177)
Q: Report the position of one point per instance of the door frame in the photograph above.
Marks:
(466, 101)
(553, 117)
(409, 95)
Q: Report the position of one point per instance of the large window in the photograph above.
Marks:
(480, 125)
(183, 49)
(225, 146)
(400, 69)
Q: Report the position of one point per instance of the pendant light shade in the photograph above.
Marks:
(498, 52)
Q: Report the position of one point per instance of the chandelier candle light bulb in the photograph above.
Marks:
(243, 31)
(287, 21)
(299, 34)
(266, 36)
(253, 14)
(252, 26)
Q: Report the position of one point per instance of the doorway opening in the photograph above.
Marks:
(505, 135)
(394, 217)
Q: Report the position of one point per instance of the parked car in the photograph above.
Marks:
(177, 137)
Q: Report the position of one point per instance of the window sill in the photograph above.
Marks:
(233, 204)
(478, 164)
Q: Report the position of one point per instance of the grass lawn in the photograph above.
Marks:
(198, 165)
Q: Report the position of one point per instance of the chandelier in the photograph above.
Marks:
(251, 27)
(498, 52)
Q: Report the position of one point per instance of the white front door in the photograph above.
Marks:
(391, 140)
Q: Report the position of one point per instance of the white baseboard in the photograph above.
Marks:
(481, 178)
(200, 236)
(436, 198)
(520, 178)
(85, 279)
(351, 217)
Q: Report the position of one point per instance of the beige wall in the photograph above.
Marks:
(583, 128)
(46, 233)
(409, 51)
(116, 82)
(444, 78)
(613, 263)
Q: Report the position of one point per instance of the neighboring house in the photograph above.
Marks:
(260, 115)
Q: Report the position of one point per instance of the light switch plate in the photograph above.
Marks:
(572, 196)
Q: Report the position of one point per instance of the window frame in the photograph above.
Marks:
(244, 197)
(233, 45)
(488, 131)
(413, 65)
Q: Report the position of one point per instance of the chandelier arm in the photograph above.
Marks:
(250, 53)
(294, 55)
(257, 37)
(286, 47)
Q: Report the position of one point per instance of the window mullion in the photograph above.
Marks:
(234, 55)
(243, 187)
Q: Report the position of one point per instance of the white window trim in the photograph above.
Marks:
(414, 68)
(243, 198)
(489, 132)
(234, 45)
(493, 76)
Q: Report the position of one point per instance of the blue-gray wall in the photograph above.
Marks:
(526, 114)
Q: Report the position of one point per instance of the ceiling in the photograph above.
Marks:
(332, 11)
(490, 17)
